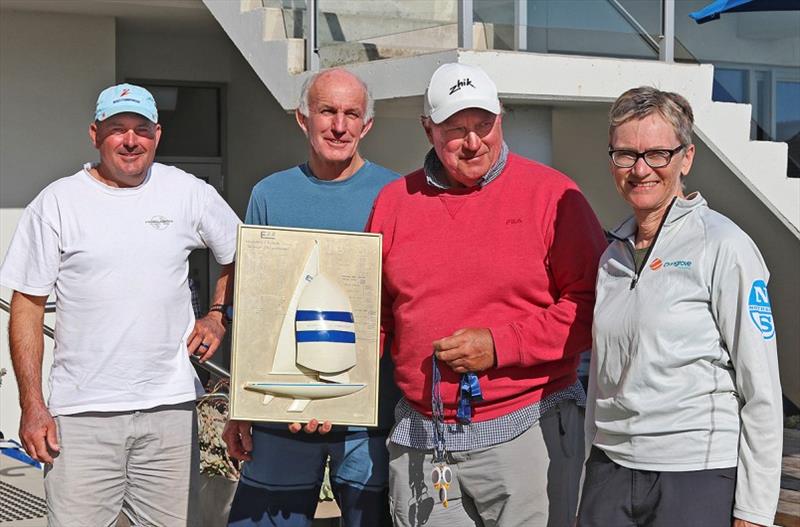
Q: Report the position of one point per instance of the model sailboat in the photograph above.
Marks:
(317, 340)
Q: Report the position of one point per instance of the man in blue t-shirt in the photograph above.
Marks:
(334, 190)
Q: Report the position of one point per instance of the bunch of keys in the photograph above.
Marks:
(442, 476)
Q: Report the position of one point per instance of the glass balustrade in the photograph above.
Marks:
(608, 28)
(357, 30)
(360, 30)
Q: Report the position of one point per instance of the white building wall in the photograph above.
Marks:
(51, 69)
(527, 130)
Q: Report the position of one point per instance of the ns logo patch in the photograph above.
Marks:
(760, 310)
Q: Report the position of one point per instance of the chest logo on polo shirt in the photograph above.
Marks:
(159, 222)
(656, 264)
(760, 310)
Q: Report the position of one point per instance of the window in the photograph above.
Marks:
(190, 118)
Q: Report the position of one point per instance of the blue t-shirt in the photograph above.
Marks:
(295, 198)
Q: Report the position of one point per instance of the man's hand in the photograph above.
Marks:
(37, 431)
(206, 336)
(467, 350)
(311, 427)
(741, 523)
(238, 437)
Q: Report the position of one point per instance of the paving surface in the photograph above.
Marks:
(789, 505)
(21, 495)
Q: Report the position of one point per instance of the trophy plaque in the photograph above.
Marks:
(306, 326)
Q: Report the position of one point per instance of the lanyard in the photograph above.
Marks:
(437, 414)
(469, 392)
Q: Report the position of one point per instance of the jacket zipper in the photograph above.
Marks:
(639, 270)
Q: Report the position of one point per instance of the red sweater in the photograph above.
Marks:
(518, 256)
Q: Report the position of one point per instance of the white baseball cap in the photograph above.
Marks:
(455, 87)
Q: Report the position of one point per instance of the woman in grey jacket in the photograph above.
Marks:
(684, 413)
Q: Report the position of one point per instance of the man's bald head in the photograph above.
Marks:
(340, 77)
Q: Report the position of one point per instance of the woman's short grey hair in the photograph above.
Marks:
(638, 103)
(304, 104)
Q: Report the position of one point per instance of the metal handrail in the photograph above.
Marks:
(629, 18)
(465, 22)
(210, 367)
(312, 48)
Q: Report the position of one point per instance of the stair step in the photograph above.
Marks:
(728, 120)
(334, 27)
(355, 52)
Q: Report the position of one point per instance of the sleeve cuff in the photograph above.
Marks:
(506, 346)
(28, 290)
(752, 517)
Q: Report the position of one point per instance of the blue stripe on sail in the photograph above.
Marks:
(339, 316)
(347, 337)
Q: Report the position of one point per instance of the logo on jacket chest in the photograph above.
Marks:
(158, 222)
(658, 263)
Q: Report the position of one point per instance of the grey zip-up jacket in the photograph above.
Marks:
(684, 372)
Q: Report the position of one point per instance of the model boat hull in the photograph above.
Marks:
(312, 390)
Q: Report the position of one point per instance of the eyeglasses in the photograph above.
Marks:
(653, 158)
(442, 476)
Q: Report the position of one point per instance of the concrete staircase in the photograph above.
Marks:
(419, 36)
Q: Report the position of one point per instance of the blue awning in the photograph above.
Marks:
(713, 10)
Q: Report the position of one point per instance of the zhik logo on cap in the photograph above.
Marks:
(461, 84)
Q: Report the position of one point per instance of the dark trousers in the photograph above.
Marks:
(257, 507)
(615, 496)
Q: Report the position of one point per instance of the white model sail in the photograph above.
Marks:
(317, 337)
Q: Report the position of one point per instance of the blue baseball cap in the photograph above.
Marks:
(126, 98)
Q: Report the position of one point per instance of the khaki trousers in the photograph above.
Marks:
(530, 481)
(139, 462)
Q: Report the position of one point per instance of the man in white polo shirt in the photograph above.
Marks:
(112, 241)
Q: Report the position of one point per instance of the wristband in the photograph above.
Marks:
(226, 310)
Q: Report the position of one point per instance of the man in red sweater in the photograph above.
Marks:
(489, 263)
